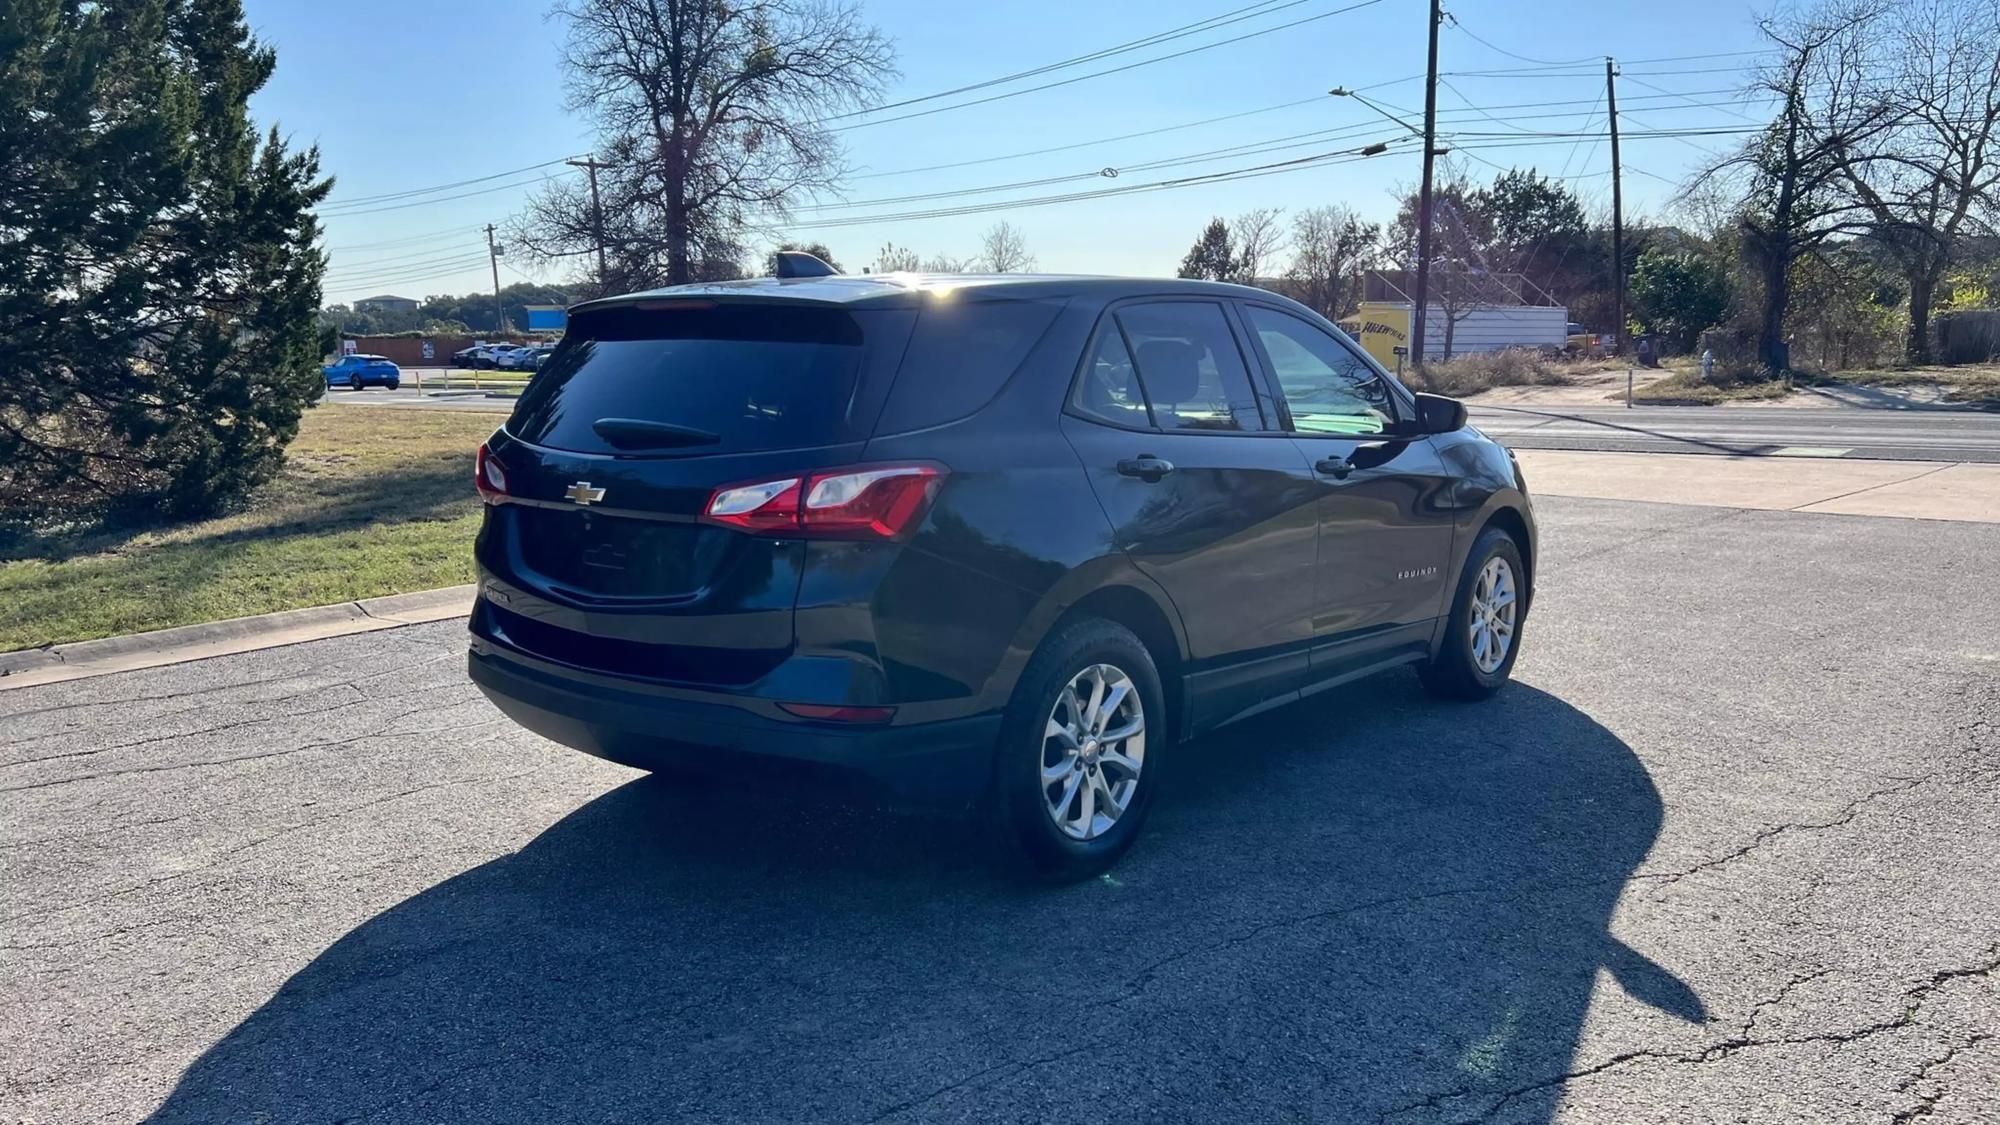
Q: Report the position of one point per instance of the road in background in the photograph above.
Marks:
(1755, 431)
(1729, 850)
(1905, 435)
(461, 396)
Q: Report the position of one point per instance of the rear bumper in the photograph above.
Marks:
(638, 725)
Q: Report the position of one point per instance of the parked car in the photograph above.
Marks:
(518, 358)
(357, 371)
(538, 356)
(481, 356)
(1020, 544)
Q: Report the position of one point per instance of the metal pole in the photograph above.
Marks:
(493, 257)
(1424, 194)
(1617, 208)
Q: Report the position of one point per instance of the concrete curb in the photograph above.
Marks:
(85, 659)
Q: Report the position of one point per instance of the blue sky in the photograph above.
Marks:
(411, 94)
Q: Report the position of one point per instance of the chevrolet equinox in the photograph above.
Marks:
(1007, 538)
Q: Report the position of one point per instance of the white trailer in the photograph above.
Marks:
(1492, 328)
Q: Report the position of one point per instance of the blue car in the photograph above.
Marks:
(357, 371)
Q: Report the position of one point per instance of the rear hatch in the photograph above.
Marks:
(615, 448)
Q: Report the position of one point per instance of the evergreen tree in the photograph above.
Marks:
(158, 274)
(1213, 255)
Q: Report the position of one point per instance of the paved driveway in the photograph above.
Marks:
(1730, 851)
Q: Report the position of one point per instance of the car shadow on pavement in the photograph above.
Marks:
(1368, 905)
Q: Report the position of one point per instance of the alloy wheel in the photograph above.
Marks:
(1093, 749)
(1494, 608)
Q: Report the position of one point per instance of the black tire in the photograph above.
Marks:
(1455, 672)
(1026, 820)
(395, 384)
(354, 382)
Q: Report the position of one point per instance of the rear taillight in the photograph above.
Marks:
(855, 502)
(489, 477)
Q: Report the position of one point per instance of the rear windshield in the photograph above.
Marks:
(758, 377)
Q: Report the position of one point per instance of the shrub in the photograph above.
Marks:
(1478, 371)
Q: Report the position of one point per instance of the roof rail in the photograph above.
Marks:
(798, 263)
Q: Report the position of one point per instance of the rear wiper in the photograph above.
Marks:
(638, 433)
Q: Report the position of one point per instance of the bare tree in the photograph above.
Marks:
(707, 111)
(897, 259)
(945, 263)
(1330, 248)
(1462, 280)
(1003, 249)
(1924, 180)
(1792, 175)
(1260, 238)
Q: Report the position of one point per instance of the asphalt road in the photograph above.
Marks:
(1728, 852)
(1914, 434)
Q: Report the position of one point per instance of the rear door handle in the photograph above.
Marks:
(1146, 467)
(1335, 467)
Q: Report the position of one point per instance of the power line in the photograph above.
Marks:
(1672, 94)
(1098, 141)
(1234, 15)
(428, 252)
(1113, 70)
(450, 198)
(1338, 156)
(416, 273)
(1248, 148)
(1526, 73)
(387, 196)
(433, 236)
(1459, 25)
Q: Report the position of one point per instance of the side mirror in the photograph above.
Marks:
(1437, 414)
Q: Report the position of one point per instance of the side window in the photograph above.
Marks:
(1328, 388)
(1190, 365)
(959, 357)
(1109, 389)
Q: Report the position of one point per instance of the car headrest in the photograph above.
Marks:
(1171, 370)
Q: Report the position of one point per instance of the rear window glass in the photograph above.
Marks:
(960, 355)
(758, 377)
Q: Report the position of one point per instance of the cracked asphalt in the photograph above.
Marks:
(1729, 851)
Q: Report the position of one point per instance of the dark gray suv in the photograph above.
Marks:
(1007, 538)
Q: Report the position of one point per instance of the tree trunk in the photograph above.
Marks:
(680, 269)
(1923, 290)
(1771, 351)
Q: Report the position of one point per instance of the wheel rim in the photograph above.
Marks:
(1093, 749)
(1494, 605)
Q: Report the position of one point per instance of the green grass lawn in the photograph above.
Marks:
(1972, 385)
(371, 501)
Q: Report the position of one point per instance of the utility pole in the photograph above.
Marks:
(1617, 209)
(493, 257)
(1424, 194)
(596, 211)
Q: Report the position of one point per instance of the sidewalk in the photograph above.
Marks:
(1906, 489)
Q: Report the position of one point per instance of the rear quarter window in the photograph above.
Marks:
(960, 355)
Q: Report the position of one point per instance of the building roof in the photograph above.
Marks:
(386, 297)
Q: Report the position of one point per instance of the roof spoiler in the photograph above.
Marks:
(798, 263)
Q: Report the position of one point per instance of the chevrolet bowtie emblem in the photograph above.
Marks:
(582, 493)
